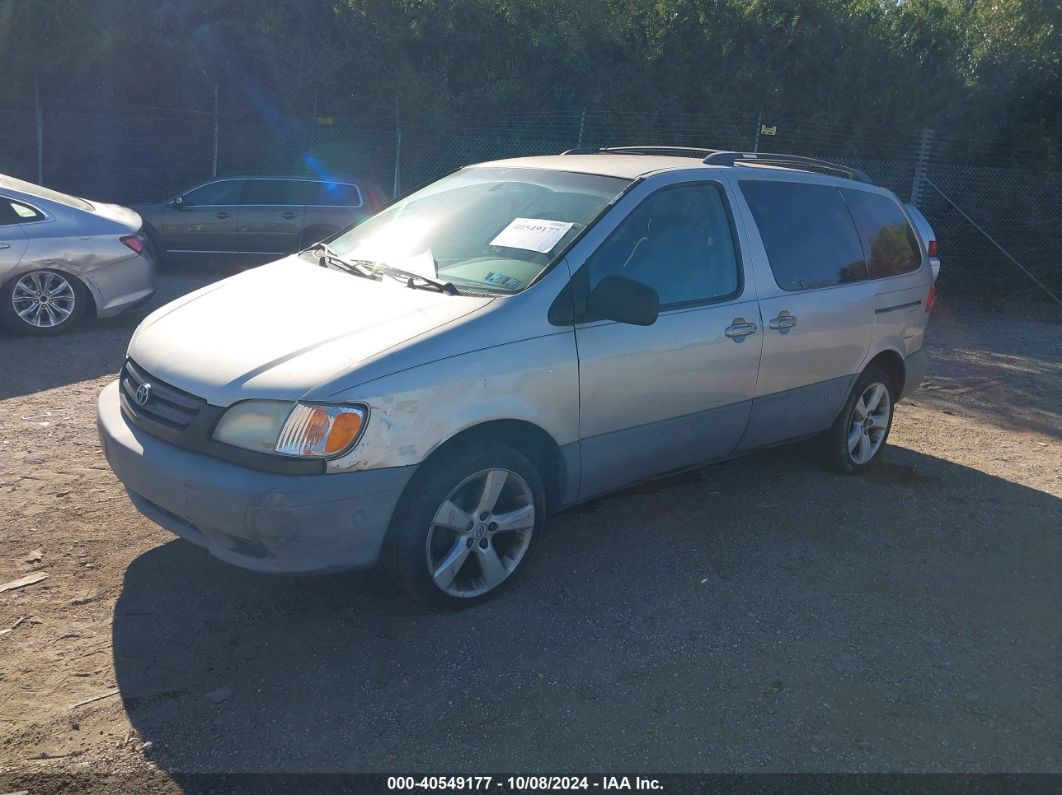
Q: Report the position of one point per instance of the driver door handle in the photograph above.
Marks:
(223, 214)
(289, 214)
(740, 328)
(5, 245)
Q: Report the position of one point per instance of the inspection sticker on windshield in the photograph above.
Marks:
(502, 280)
(532, 234)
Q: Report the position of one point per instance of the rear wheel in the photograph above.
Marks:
(43, 303)
(857, 437)
(465, 525)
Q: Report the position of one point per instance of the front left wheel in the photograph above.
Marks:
(465, 525)
(43, 303)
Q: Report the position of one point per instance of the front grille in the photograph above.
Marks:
(166, 406)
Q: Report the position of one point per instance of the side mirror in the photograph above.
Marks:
(625, 301)
(178, 202)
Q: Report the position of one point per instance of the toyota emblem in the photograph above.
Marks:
(143, 394)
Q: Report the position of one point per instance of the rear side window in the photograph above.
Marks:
(223, 193)
(807, 232)
(334, 194)
(889, 243)
(274, 192)
(14, 212)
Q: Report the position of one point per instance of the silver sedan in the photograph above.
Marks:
(63, 259)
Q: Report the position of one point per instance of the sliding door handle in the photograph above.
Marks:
(783, 322)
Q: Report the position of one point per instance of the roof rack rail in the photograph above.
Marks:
(792, 161)
(677, 151)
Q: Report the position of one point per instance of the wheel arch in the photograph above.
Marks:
(530, 439)
(892, 363)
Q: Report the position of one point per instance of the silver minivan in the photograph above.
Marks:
(522, 335)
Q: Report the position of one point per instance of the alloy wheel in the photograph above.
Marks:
(869, 423)
(480, 533)
(43, 299)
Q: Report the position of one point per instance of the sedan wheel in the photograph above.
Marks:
(43, 302)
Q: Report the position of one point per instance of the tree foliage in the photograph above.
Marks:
(989, 66)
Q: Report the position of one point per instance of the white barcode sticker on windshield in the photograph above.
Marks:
(532, 234)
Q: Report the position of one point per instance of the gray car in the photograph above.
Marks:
(513, 339)
(63, 259)
(256, 217)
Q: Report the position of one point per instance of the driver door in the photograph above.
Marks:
(205, 220)
(677, 393)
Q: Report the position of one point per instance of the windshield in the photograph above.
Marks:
(483, 228)
(46, 193)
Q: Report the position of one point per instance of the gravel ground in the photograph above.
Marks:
(760, 615)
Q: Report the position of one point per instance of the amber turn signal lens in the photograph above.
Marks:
(315, 431)
(344, 431)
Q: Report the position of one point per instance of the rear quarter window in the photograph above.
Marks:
(888, 240)
(15, 212)
(807, 233)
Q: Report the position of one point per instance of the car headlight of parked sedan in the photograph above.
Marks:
(300, 430)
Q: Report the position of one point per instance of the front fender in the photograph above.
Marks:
(413, 412)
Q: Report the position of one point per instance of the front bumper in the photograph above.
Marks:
(257, 520)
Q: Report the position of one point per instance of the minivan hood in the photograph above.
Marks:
(279, 330)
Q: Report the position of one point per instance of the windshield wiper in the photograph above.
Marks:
(418, 281)
(329, 258)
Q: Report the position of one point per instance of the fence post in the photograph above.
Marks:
(759, 126)
(918, 184)
(40, 132)
(582, 126)
(214, 164)
(398, 153)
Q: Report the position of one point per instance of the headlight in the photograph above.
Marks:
(305, 430)
(253, 425)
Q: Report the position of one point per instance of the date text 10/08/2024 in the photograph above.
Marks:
(523, 783)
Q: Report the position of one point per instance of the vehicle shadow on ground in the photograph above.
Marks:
(753, 616)
(34, 364)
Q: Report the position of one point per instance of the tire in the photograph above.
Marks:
(841, 448)
(437, 518)
(22, 310)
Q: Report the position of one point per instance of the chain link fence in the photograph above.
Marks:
(999, 228)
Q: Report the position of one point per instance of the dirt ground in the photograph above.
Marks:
(760, 615)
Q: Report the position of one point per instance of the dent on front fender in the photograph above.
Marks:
(415, 411)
